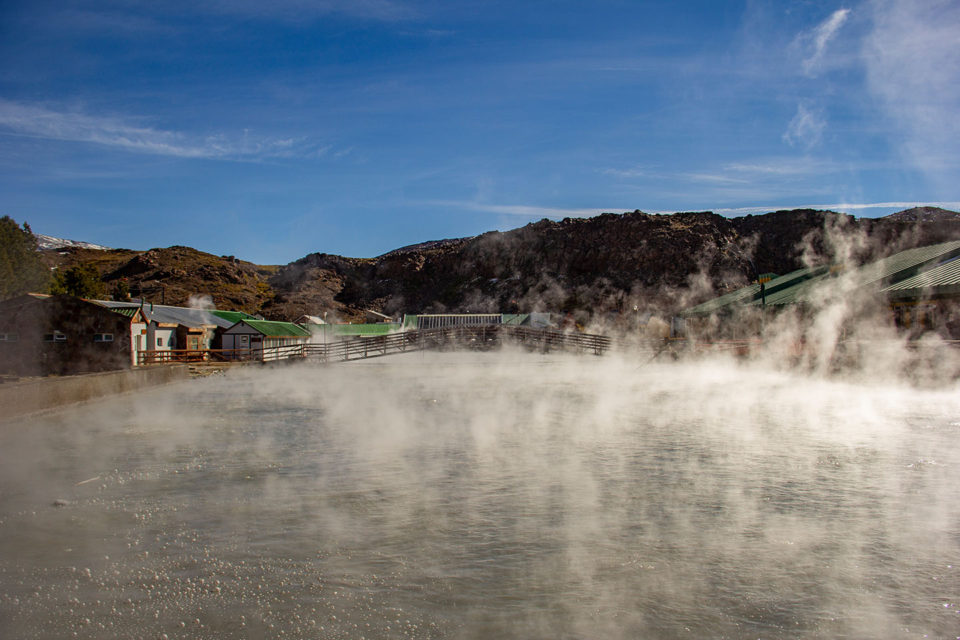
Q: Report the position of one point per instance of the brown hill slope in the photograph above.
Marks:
(176, 274)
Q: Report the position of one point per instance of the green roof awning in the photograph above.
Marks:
(125, 311)
(232, 316)
(275, 329)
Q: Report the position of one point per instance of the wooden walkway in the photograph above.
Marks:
(485, 337)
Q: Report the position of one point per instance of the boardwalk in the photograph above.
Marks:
(465, 337)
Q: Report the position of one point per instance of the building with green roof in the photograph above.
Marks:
(929, 299)
(233, 316)
(940, 281)
(918, 284)
(761, 293)
(875, 278)
(263, 339)
(332, 332)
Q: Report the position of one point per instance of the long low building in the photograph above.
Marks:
(441, 320)
(46, 334)
(170, 328)
(262, 339)
(920, 286)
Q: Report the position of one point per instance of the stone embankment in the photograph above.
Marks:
(19, 399)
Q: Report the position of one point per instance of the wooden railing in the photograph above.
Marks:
(356, 348)
(186, 355)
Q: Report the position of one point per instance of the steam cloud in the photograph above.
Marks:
(201, 301)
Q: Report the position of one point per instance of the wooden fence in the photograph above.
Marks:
(356, 348)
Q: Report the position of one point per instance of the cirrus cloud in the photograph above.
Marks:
(36, 121)
(805, 129)
(816, 40)
(913, 71)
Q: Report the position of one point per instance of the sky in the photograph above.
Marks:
(270, 130)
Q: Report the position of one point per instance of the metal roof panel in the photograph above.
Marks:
(944, 274)
(275, 329)
(160, 313)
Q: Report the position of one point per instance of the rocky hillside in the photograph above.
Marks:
(176, 275)
(924, 214)
(611, 262)
(606, 263)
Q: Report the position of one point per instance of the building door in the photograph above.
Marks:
(193, 348)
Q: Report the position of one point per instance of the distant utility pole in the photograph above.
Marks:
(141, 291)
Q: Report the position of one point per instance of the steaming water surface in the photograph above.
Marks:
(482, 495)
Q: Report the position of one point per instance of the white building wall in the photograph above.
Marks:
(138, 339)
(161, 338)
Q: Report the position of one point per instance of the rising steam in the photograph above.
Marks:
(488, 494)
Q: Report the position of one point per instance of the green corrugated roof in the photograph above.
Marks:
(751, 293)
(275, 329)
(897, 268)
(939, 280)
(232, 316)
(906, 264)
(126, 311)
(909, 270)
(715, 305)
(797, 292)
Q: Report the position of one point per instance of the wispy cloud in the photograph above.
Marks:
(816, 40)
(780, 167)
(380, 10)
(714, 178)
(692, 176)
(805, 129)
(913, 71)
(633, 172)
(106, 19)
(39, 122)
(836, 206)
(534, 212)
(774, 168)
(525, 211)
(885, 205)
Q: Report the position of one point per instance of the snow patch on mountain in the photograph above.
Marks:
(46, 242)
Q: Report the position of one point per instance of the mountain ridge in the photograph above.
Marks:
(583, 266)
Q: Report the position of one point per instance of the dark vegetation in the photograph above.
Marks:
(22, 268)
(81, 280)
(609, 263)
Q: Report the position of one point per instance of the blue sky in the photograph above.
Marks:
(269, 130)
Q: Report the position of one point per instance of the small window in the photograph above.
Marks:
(56, 336)
(103, 337)
(3, 337)
(159, 342)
